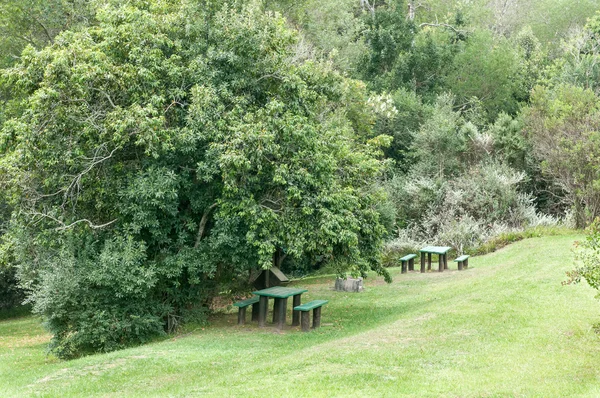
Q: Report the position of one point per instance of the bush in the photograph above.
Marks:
(11, 295)
(588, 253)
(465, 212)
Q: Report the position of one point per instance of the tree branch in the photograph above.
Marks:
(106, 95)
(443, 25)
(203, 223)
(76, 182)
(64, 226)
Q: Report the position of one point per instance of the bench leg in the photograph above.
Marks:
(262, 311)
(466, 263)
(446, 261)
(411, 264)
(296, 301)
(242, 316)
(282, 310)
(316, 318)
(404, 267)
(460, 265)
(428, 261)
(422, 262)
(255, 311)
(305, 321)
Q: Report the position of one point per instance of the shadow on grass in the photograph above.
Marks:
(15, 312)
(341, 319)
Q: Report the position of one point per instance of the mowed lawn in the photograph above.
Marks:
(506, 327)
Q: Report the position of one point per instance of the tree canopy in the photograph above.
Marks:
(165, 150)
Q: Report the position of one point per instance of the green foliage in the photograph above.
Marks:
(411, 114)
(98, 304)
(588, 253)
(331, 29)
(37, 23)
(510, 144)
(398, 115)
(440, 145)
(489, 194)
(403, 56)
(11, 295)
(464, 212)
(490, 69)
(578, 63)
(388, 34)
(549, 20)
(155, 159)
(563, 125)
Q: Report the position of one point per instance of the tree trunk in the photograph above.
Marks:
(202, 225)
(411, 10)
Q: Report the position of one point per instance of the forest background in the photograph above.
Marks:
(156, 154)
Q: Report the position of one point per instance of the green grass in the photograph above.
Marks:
(506, 327)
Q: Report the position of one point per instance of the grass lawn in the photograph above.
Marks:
(504, 328)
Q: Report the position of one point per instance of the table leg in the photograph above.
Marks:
(411, 264)
(276, 304)
(422, 262)
(440, 262)
(282, 313)
(255, 310)
(262, 310)
(445, 260)
(296, 301)
(428, 261)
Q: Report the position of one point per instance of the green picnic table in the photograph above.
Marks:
(441, 251)
(280, 295)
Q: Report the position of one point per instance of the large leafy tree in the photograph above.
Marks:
(563, 125)
(491, 70)
(167, 151)
(37, 23)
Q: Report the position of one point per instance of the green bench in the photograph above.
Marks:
(314, 305)
(410, 260)
(242, 305)
(463, 262)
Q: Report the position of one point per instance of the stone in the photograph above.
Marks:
(349, 285)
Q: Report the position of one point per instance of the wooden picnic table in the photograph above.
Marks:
(280, 295)
(441, 251)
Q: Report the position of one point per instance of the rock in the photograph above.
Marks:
(349, 285)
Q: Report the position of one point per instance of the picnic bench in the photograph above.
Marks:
(463, 262)
(242, 305)
(314, 305)
(441, 251)
(280, 295)
(410, 260)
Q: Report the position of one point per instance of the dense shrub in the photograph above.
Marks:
(11, 295)
(467, 211)
(588, 255)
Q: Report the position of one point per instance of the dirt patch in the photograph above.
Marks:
(25, 341)
(91, 370)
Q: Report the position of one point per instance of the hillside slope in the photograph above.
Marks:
(505, 327)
